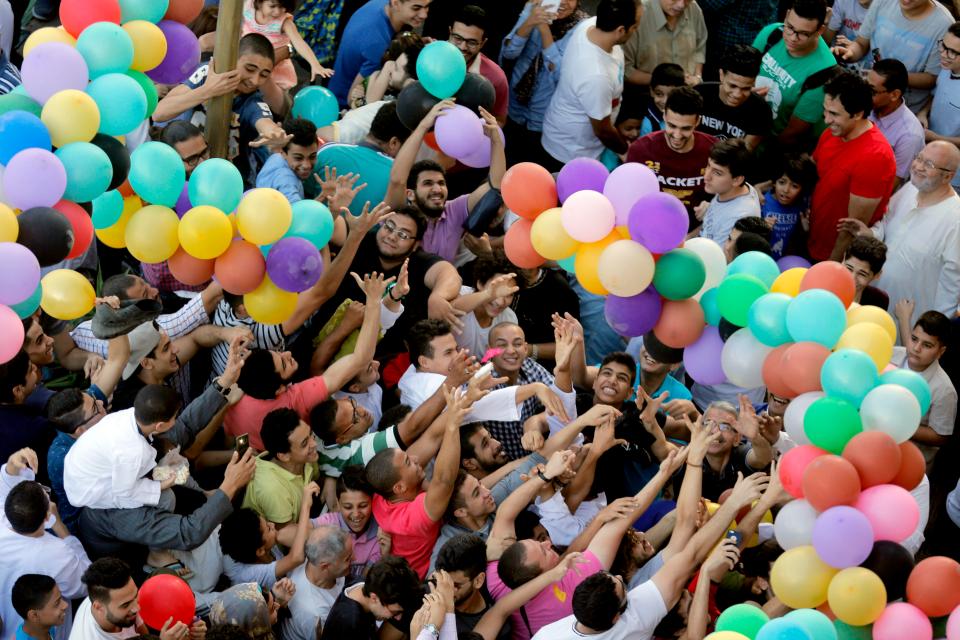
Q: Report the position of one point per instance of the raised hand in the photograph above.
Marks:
(700, 440)
(367, 219)
(674, 460)
(566, 341)
(439, 308)
(648, 405)
(236, 356)
(568, 562)
(600, 413)
(402, 287)
(560, 462)
(431, 118)
(491, 128)
(722, 559)
(373, 285)
(344, 192)
(283, 591)
(458, 405)
(619, 508)
(747, 423)
(23, 459)
(749, 489)
(532, 441)
(501, 286)
(461, 369)
(275, 138)
(604, 437)
(174, 631)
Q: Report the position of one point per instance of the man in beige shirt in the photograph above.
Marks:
(669, 31)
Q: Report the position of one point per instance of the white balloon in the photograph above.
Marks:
(793, 416)
(794, 524)
(892, 409)
(714, 259)
(742, 359)
(625, 268)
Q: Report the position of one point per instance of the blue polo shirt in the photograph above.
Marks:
(23, 635)
(364, 40)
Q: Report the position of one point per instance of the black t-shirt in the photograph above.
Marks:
(715, 483)
(126, 392)
(753, 117)
(534, 304)
(347, 619)
(467, 621)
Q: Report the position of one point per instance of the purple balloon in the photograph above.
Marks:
(34, 178)
(842, 537)
(658, 221)
(633, 316)
(51, 67)
(628, 183)
(792, 262)
(21, 272)
(294, 264)
(580, 174)
(183, 54)
(702, 358)
(459, 132)
(481, 155)
(183, 202)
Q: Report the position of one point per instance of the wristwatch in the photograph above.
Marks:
(544, 477)
(219, 388)
(432, 629)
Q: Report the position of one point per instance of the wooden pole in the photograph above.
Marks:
(220, 109)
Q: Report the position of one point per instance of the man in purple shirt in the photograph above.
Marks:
(890, 114)
(424, 185)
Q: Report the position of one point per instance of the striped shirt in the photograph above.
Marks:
(510, 433)
(9, 75)
(333, 458)
(265, 336)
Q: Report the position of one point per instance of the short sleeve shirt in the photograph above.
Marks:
(752, 118)
(412, 530)
(247, 415)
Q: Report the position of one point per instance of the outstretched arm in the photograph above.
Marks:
(344, 369)
(403, 162)
(448, 459)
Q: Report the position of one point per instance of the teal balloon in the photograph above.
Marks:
(107, 209)
(783, 629)
(157, 173)
(149, 89)
(89, 171)
(121, 101)
(19, 90)
(106, 48)
(736, 294)
(316, 104)
(149, 10)
(816, 315)
(567, 264)
(849, 632)
(19, 102)
(27, 308)
(756, 264)
(767, 319)
(830, 423)
(742, 618)
(849, 374)
(817, 624)
(441, 69)
(915, 384)
(217, 183)
(679, 274)
(311, 221)
(709, 302)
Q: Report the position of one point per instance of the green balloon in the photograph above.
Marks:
(26, 308)
(88, 168)
(710, 306)
(680, 274)
(849, 632)
(829, 423)
(157, 174)
(19, 102)
(736, 294)
(149, 10)
(107, 209)
(742, 618)
(149, 89)
(316, 104)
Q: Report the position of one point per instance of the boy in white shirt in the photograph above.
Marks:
(725, 178)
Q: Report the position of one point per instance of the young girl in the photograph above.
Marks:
(788, 200)
(273, 19)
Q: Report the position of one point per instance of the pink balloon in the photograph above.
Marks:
(34, 178)
(628, 183)
(587, 216)
(891, 510)
(11, 333)
(900, 621)
(953, 625)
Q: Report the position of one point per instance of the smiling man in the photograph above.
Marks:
(468, 33)
(286, 170)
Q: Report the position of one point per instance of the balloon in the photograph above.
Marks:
(205, 232)
(119, 158)
(794, 464)
(115, 235)
(121, 101)
(742, 618)
(872, 314)
(912, 467)
(29, 306)
(848, 374)
(11, 334)
(871, 339)
(794, 524)
(702, 358)
(312, 221)
(817, 624)
(149, 90)
(756, 264)
(913, 382)
(742, 359)
(413, 104)
(294, 264)
(162, 597)
(48, 34)
(47, 233)
(51, 68)
(151, 235)
(953, 625)
(711, 309)
(149, 10)
(800, 579)
(88, 171)
(679, 274)
(183, 11)
(833, 277)
(843, 538)
(149, 44)
(34, 178)
(216, 183)
(767, 318)
(106, 48)
(802, 363)
(268, 304)
(9, 227)
(66, 294)
(892, 563)
(441, 69)
(857, 595)
(875, 455)
(319, 106)
(783, 629)
(736, 294)
(901, 620)
(625, 268)
(587, 261)
(183, 54)
(830, 481)
(189, 270)
(816, 316)
(727, 635)
(830, 423)
(80, 225)
(892, 409)
(157, 173)
(892, 511)
(626, 185)
(518, 247)
(107, 209)
(71, 116)
(788, 282)
(848, 632)
(658, 221)
(934, 586)
(548, 237)
(581, 174)
(459, 131)
(77, 15)
(714, 261)
(476, 91)
(634, 315)
(241, 268)
(20, 130)
(680, 324)
(772, 373)
(587, 216)
(528, 189)
(21, 275)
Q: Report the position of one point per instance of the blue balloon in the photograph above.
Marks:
(316, 104)
(441, 69)
(216, 182)
(849, 374)
(157, 173)
(311, 221)
(756, 264)
(107, 209)
(27, 308)
(106, 48)
(20, 130)
(767, 319)
(783, 629)
(817, 624)
(710, 306)
(914, 382)
(89, 171)
(816, 315)
(121, 101)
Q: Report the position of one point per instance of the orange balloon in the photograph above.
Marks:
(189, 270)
(801, 364)
(912, 467)
(183, 11)
(934, 586)
(528, 190)
(125, 189)
(431, 141)
(831, 276)
(875, 455)
(519, 249)
(830, 481)
(681, 323)
(772, 373)
(240, 269)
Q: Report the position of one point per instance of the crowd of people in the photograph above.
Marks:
(438, 443)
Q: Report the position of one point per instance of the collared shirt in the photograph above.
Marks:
(277, 174)
(62, 444)
(416, 387)
(443, 234)
(334, 457)
(9, 75)
(905, 134)
(275, 493)
(510, 433)
(160, 276)
(654, 41)
(265, 336)
(366, 547)
(942, 412)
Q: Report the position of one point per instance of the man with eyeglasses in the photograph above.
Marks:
(941, 116)
(892, 117)
(468, 33)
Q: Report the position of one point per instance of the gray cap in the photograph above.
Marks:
(143, 340)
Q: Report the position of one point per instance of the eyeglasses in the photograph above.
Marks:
(722, 427)
(391, 227)
(947, 51)
(803, 35)
(98, 411)
(458, 39)
(928, 164)
(197, 158)
(356, 416)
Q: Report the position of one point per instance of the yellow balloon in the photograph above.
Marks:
(151, 234)
(625, 268)
(9, 227)
(586, 263)
(788, 282)
(857, 596)
(48, 34)
(205, 232)
(269, 304)
(116, 235)
(800, 578)
(624, 232)
(70, 116)
(870, 313)
(149, 44)
(870, 338)
(726, 635)
(66, 294)
(263, 216)
(549, 238)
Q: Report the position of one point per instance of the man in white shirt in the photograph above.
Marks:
(579, 120)
(319, 581)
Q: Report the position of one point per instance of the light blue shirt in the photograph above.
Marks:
(277, 174)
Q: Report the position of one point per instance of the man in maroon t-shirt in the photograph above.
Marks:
(678, 154)
(468, 33)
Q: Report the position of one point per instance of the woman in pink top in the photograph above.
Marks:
(273, 20)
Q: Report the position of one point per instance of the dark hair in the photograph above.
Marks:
(381, 472)
(205, 22)
(392, 580)
(595, 601)
(853, 92)
(258, 377)
(240, 536)
(173, 134)
(419, 220)
(118, 285)
(65, 410)
(485, 267)
(935, 324)
(405, 42)
(623, 358)
(612, 14)
(754, 225)
(467, 432)
(233, 299)
(668, 74)
(323, 420)
(870, 250)
(525, 523)
(800, 168)
(421, 334)
(394, 416)
(512, 569)
(742, 60)
(387, 125)
(456, 500)
(26, 507)
(276, 430)
(810, 10)
(104, 575)
(155, 403)
(13, 373)
(732, 154)
(258, 45)
(632, 104)
(421, 166)
(353, 478)
(303, 131)
(472, 16)
(289, 5)
(684, 101)
(748, 241)
(31, 591)
(954, 29)
(894, 74)
(465, 552)
(227, 632)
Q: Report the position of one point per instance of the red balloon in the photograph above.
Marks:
(163, 597)
(528, 190)
(934, 586)
(830, 481)
(743, 510)
(77, 15)
(792, 465)
(189, 270)
(912, 466)
(240, 269)
(183, 11)
(772, 373)
(875, 455)
(833, 277)
(681, 323)
(82, 226)
(519, 249)
(801, 364)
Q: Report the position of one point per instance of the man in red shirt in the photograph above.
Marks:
(856, 166)
(468, 33)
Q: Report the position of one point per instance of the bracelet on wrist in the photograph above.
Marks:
(698, 466)
(543, 476)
